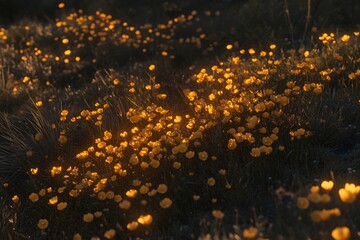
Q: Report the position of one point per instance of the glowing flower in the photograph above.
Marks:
(315, 216)
(56, 170)
(218, 214)
(314, 197)
(251, 51)
(345, 38)
(190, 154)
(61, 206)
(320, 215)
(125, 204)
(88, 217)
(34, 197)
(38, 136)
(62, 139)
(77, 236)
(232, 144)
(15, 198)
(162, 188)
(110, 234)
(346, 196)
(250, 233)
(302, 203)
(325, 198)
(196, 197)
(145, 219)
(341, 233)
(43, 224)
(144, 189)
(39, 103)
(255, 152)
(42, 192)
(132, 225)
(284, 100)
(98, 214)
(131, 193)
(166, 203)
(117, 198)
(327, 185)
(203, 155)
(211, 181)
(314, 189)
(336, 212)
(350, 187)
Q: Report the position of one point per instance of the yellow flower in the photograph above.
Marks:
(272, 46)
(166, 203)
(101, 195)
(15, 198)
(38, 136)
(61, 206)
(145, 219)
(314, 189)
(203, 155)
(218, 214)
(302, 203)
(267, 141)
(346, 196)
(42, 192)
(325, 198)
(39, 103)
(125, 204)
(211, 181)
(196, 197)
(77, 236)
(284, 100)
(132, 225)
(176, 165)
(341, 233)
(315, 216)
(162, 188)
(232, 144)
(350, 187)
(250, 233)
(88, 217)
(131, 193)
(314, 197)
(43, 224)
(56, 170)
(251, 51)
(53, 200)
(336, 212)
(62, 139)
(110, 234)
(98, 214)
(34, 197)
(190, 154)
(144, 189)
(117, 198)
(255, 152)
(327, 185)
(345, 38)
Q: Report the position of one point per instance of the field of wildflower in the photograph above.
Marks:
(211, 119)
